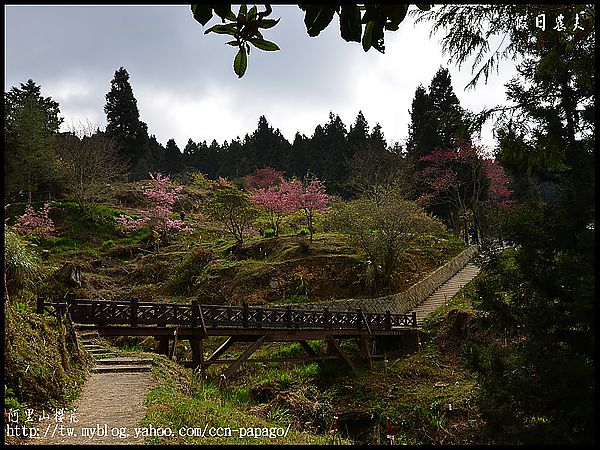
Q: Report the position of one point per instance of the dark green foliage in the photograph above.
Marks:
(303, 232)
(172, 162)
(537, 365)
(30, 121)
(244, 27)
(269, 232)
(125, 126)
(437, 120)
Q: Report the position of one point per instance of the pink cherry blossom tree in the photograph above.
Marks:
(465, 181)
(277, 201)
(310, 198)
(35, 222)
(157, 218)
(263, 178)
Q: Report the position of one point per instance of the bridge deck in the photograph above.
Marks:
(274, 334)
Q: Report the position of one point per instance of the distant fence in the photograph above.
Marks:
(23, 197)
(405, 301)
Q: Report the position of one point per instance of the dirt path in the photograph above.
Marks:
(108, 402)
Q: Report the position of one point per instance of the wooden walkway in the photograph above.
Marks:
(256, 326)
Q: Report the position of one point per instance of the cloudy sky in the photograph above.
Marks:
(184, 82)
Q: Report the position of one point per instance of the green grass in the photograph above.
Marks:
(42, 365)
(180, 400)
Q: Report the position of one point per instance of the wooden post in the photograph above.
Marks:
(414, 319)
(70, 302)
(326, 317)
(201, 352)
(259, 318)
(388, 320)
(288, 316)
(40, 305)
(358, 319)
(364, 346)
(194, 315)
(134, 313)
(245, 315)
(163, 345)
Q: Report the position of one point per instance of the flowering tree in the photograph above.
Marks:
(309, 197)
(35, 222)
(276, 201)
(463, 180)
(263, 178)
(157, 218)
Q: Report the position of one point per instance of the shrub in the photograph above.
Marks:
(21, 266)
(384, 231)
(269, 232)
(108, 244)
(303, 232)
(35, 222)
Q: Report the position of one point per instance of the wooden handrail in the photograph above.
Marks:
(135, 313)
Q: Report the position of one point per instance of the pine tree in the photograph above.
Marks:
(30, 122)
(420, 128)
(173, 160)
(190, 153)
(358, 135)
(299, 156)
(124, 124)
(536, 367)
(335, 155)
(269, 146)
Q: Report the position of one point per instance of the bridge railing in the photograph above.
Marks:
(134, 313)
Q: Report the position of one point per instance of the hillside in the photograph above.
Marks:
(208, 265)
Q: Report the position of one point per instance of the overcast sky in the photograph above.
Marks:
(184, 82)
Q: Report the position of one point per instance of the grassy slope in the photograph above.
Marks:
(430, 395)
(181, 400)
(268, 270)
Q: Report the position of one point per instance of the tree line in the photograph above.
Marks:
(353, 161)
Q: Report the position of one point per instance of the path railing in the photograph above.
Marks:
(134, 313)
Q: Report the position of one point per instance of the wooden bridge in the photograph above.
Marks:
(255, 325)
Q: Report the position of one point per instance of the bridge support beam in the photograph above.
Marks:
(311, 352)
(244, 356)
(364, 344)
(333, 345)
(222, 348)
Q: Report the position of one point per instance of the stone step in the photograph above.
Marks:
(100, 356)
(121, 369)
(92, 346)
(123, 361)
(94, 351)
(445, 292)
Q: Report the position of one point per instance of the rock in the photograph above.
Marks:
(69, 274)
